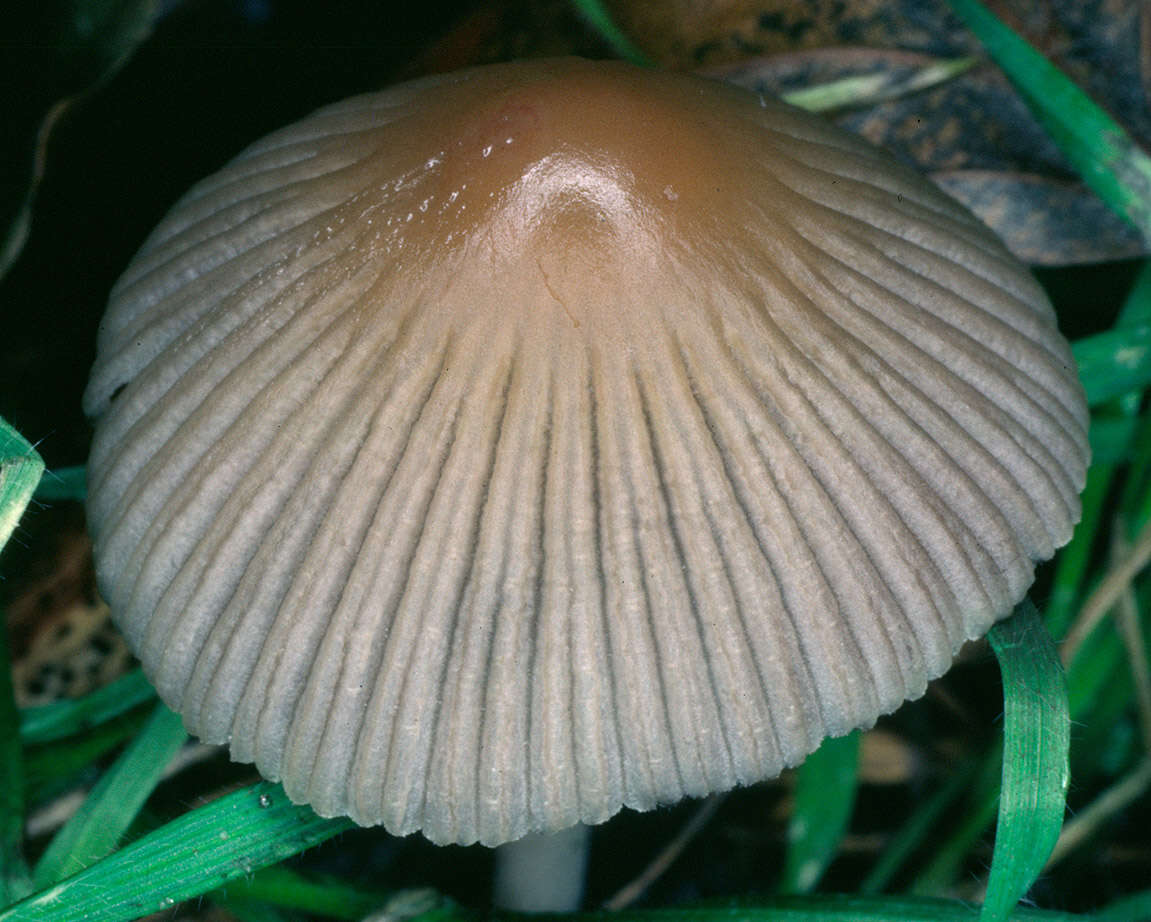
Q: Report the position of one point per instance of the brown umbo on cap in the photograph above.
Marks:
(492, 452)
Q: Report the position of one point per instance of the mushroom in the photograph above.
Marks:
(489, 453)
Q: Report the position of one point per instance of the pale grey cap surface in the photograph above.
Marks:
(486, 454)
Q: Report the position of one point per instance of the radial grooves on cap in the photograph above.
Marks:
(211, 410)
(772, 564)
(481, 578)
(332, 516)
(517, 657)
(721, 617)
(689, 698)
(465, 554)
(948, 481)
(1026, 350)
(1035, 447)
(189, 321)
(1045, 423)
(600, 742)
(846, 181)
(854, 327)
(252, 500)
(934, 256)
(482, 714)
(834, 533)
(336, 577)
(400, 722)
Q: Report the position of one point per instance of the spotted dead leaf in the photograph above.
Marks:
(1046, 222)
(693, 33)
(976, 135)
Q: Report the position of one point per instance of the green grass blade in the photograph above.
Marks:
(50, 768)
(1133, 908)
(20, 470)
(1109, 161)
(63, 483)
(808, 908)
(824, 797)
(428, 906)
(1137, 305)
(595, 14)
(872, 89)
(1096, 669)
(1114, 362)
(226, 839)
(981, 805)
(1112, 439)
(1071, 568)
(114, 802)
(918, 829)
(1036, 742)
(1136, 310)
(286, 889)
(243, 910)
(60, 719)
(15, 880)
(1136, 493)
(1117, 435)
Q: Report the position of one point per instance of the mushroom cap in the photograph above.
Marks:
(487, 453)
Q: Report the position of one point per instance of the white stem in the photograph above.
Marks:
(542, 872)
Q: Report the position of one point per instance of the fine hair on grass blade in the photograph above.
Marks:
(63, 483)
(20, 471)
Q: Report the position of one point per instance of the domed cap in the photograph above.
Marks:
(488, 453)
